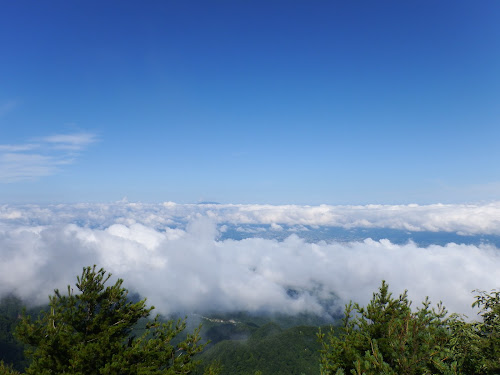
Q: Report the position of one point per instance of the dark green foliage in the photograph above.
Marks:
(7, 370)
(214, 368)
(489, 329)
(89, 333)
(227, 331)
(11, 351)
(269, 350)
(387, 337)
(257, 320)
(100, 330)
(466, 346)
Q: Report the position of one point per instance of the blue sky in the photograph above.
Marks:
(303, 102)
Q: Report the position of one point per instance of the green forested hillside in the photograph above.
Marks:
(243, 345)
(269, 344)
(386, 337)
(269, 349)
(11, 351)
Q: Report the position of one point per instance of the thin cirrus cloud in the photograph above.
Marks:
(41, 157)
(70, 141)
(7, 107)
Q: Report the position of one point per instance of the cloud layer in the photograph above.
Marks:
(457, 218)
(188, 269)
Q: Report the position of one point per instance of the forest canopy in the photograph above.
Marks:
(90, 333)
(388, 337)
(99, 329)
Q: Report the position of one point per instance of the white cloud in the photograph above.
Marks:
(17, 148)
(21, 166)
(458, 218)
(31, 161)
(70, 141)
(190, 270)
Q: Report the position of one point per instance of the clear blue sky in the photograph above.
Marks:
(306, 102)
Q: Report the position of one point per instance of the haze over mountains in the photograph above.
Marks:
(255, 258)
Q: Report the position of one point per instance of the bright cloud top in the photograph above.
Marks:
(40, 157)
(187, 269)
(457, 218)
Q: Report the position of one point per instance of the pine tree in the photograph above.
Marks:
(489, 328)
(90, 333)
(7, 370)
(386, 337)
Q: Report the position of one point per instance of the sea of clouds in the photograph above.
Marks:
(175, 256)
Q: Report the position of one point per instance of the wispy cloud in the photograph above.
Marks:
(70, 141)
(18, 148)
(7, 107)
(41, 157)
(19, 166)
